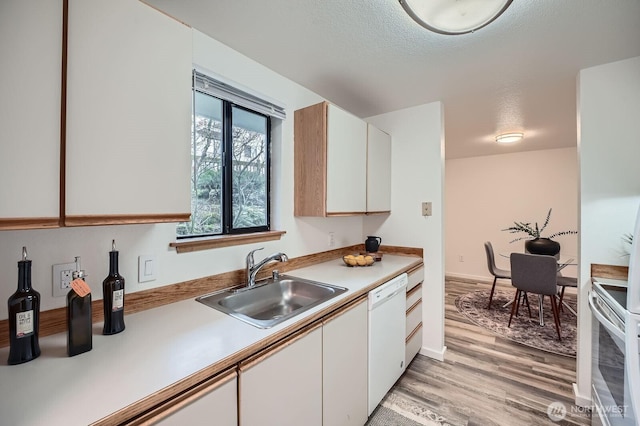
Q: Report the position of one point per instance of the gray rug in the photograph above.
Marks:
(523, 330)
(396, 410)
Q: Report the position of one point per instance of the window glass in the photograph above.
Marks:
(249, 207)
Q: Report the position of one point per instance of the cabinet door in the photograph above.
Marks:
(346, 162)
(378, 171)
(213, 403)
(344, 369)
(30, 93)
(283, 386)
(128, 114)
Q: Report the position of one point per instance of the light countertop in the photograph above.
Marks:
(158, 348)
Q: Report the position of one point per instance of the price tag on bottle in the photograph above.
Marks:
(80, 287)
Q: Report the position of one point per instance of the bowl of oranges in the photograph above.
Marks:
(359, 260)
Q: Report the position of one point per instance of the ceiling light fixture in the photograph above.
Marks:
(510, 137)
(453, 17)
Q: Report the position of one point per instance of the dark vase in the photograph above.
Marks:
(542, 246)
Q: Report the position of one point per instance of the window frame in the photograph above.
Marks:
(227, 228)
(227, 180)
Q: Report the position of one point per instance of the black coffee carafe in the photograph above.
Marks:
(372, 244)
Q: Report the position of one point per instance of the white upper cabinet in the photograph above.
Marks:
(30, 96)
(346, 162)
(378, 171)
(128, 114)
(330, 162)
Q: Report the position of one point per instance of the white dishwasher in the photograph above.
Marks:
(387, 323)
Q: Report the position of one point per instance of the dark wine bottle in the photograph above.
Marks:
(24, 317)
(79, 337)
(113, 296)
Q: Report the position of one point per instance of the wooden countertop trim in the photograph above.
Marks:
(257, 358)
(327, 319)
(614, 272)
(162, 411)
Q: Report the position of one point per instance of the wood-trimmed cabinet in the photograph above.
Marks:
(283, 384)
(30, 105)
(95, 131)
(344, 367)
(321, 373)
(128, 114)
(342, 164)
(330, 169)
(413, 337)
(214, 401)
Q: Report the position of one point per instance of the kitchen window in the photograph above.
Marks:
(230, 173)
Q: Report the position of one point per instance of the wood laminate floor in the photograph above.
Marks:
(488, 380)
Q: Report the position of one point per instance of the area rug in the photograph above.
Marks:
(396, 410)
(523, 330)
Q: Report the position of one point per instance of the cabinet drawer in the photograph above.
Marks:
(414, 342)
(414, 295)
(415, 278)
(414, 317)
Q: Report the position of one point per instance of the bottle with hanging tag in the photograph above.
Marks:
(79, 338)
(24, 317)
(113, 296)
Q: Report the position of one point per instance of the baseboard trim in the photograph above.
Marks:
(435, 354)
(468, 277)
(581, 400)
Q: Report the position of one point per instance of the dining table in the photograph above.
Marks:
(563, 260)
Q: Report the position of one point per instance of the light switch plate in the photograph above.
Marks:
(147, 268)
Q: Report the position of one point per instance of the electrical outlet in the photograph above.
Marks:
(460, 258)
(332, 239)
(426, 208)
(61, 278)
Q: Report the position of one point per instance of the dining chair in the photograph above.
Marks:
(563, 283)
(494, 270)
(538, 274)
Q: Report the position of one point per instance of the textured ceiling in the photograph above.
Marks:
(369, 57)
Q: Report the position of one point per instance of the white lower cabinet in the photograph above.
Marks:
(344, 373)
(282, 386)
(213, 402)
(413, 338)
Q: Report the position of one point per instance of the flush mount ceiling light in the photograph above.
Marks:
(509, 137)
(454, 16)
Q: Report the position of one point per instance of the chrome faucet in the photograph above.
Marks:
(253, 268)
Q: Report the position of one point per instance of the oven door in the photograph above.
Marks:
(611, 394)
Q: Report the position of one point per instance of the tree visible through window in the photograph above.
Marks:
(230, 169)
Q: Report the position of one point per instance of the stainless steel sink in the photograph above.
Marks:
(273, 300)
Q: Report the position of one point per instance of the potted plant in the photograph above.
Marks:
(535, 243)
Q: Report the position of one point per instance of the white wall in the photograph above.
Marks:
(487, 194)
(304, 235)
(417, 152)
(609, 149)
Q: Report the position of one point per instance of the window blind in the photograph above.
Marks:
(205, 84)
